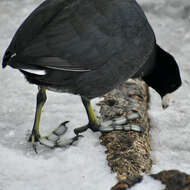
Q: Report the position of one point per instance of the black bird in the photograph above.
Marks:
(88, 47)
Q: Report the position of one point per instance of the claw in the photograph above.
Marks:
(34, 145)
(106, 128)
(133, 116)
(65, 142)
(136, 128)
(127, 128)
(106, 123)
(34, 138)
(35, 148)
(80, 130)
(120, 121)
(118, 128)
(52, 137)
(61, 129)
(45, 141)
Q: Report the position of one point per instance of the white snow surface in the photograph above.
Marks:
(83, 166)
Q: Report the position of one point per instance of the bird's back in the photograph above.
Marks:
(93, 44)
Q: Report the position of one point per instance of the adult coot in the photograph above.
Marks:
(88, 47)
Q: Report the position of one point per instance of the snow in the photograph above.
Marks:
(170, 127)
(83, 166)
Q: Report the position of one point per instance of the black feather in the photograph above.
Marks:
(90, 47)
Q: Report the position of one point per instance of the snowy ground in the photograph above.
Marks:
(84, 166)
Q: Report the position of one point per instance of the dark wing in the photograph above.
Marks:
(61, 35)
(31, 28)
(82, 35)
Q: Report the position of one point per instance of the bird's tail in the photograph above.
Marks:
(18, 62)
(6, 58)
(33, 73)
(32, 77)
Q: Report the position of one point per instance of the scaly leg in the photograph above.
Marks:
(93, 121)
(41, 99)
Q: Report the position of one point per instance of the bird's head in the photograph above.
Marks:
(165, 77)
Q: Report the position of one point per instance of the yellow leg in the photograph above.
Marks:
(91, 116)
(41, 99)
(93, 121)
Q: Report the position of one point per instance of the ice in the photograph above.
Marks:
(83, 166)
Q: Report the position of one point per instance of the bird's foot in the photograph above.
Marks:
(117, 124)
(34, 138)
(121, 124)
(94, 127)
(54, 139)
